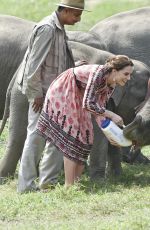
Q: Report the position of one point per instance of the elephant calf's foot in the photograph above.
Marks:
(111, 172)
(97, 175)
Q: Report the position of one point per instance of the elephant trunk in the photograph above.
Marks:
(129, 129)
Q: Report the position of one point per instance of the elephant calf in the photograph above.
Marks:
(139, 129)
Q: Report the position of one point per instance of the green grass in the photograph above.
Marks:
(113, 204)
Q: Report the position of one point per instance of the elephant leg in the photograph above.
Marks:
(98, 154)
(114, 167)
(17, 133)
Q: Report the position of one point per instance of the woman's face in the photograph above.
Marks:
(122, 76)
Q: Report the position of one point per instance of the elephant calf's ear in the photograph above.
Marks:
(118, 94)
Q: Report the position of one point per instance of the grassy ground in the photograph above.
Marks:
(113, 204)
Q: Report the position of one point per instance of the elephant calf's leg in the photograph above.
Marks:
(114, 167)
(98, 154)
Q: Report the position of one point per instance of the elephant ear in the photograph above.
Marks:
(118, 95)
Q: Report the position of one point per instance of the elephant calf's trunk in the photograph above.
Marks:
(133, 125)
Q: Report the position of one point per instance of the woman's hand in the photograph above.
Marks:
(117, 119)
(114, 117)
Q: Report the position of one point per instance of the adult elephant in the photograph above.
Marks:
(14, 34)
(124, 33)
(19, 109)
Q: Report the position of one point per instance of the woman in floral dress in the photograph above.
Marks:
(77, 93)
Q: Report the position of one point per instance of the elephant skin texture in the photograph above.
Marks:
(124, 33)
(139, 129)
(14, 34)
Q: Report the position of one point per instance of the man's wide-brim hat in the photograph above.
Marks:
(74, 4)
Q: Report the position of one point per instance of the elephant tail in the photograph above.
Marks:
(7, 104)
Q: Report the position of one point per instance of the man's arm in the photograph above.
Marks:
(40, 48)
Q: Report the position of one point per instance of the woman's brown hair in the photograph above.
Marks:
(118, 62)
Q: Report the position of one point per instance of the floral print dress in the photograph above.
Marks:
(70, 100)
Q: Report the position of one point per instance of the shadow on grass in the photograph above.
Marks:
(133, 175)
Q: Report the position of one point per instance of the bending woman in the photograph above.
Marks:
(65, 121)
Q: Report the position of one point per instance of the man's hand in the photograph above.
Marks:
(38, 104)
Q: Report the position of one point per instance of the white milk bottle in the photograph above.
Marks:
(113, 132)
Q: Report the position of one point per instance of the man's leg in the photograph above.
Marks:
(50, 166)
(31, 155)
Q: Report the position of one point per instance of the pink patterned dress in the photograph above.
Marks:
(70, 100)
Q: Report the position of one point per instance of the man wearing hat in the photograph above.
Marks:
(47, 56)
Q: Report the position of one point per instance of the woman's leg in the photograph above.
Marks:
(69, 168)
(79, 170)
(73, 171)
